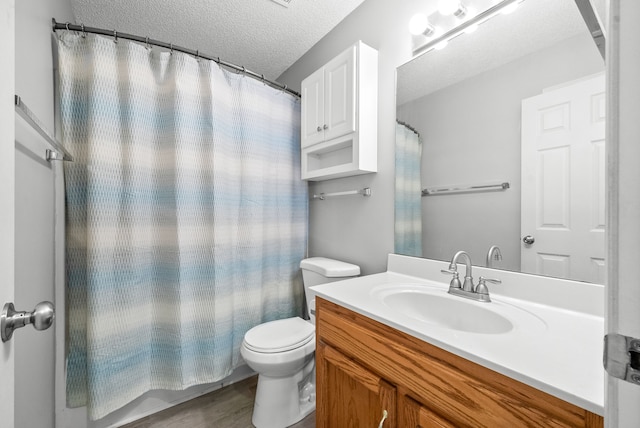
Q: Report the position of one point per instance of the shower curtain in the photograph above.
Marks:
(186, 217)
(408, 203)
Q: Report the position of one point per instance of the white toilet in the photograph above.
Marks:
(282, 353)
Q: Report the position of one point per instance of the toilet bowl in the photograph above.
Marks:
(282, 353)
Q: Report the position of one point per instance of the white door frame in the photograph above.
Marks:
(7, 212)
(623, 198)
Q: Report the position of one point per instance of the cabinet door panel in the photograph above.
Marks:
(340, 95)
(350, 396)
(312, 110)
(418, 416)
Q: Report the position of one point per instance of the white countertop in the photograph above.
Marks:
(555, 348)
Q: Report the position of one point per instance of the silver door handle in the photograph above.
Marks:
(529, 240)
(10, 319)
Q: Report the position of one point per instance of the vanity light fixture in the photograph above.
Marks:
(425, 36)
(449, 7)
(461, 11)
(418, 23)
(441, 45)
(471, 28)
(452, 7)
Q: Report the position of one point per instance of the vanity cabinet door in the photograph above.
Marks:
(350, 396)
(340, 95)
(312, 119)
(415, 415)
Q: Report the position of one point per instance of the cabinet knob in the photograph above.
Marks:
(384, 418)
(319, 129)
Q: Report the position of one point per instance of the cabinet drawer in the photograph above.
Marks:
(468, 394)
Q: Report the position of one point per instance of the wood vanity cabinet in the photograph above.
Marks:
(365, 367)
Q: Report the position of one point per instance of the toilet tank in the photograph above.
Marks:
(321, 270)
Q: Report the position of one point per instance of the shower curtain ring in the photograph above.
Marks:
(244, 71)
(171, 48)
(147, 43)
(197, 55)
(262, 77)
(67, 26)
(115, 36)
(84, 34)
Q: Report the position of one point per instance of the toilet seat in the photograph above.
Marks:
(279, 335)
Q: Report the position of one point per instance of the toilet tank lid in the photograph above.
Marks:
(329, 267)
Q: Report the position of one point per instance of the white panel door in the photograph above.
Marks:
(7, 89)
(340, 95)
(563, 176)
(312, 109)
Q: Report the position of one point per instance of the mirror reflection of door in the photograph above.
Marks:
(563, 172)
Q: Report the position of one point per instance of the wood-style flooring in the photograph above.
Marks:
(228, 407)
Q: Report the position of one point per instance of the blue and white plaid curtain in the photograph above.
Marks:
(408, 199)
(186, 217)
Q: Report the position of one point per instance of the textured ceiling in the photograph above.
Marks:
(259, 34)
(535, 25)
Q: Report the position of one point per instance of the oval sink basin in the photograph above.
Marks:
(447, 312)
(436, 307)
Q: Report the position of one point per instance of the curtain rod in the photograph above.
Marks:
(146, 40)
(409, 127)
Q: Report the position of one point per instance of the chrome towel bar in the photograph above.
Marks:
(32, 120)
(464, 189)
(364, 192)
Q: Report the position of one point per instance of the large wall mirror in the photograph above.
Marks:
(518, 101)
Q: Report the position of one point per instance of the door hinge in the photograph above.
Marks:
(622, 357)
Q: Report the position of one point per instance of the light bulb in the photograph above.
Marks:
(418, 24)
(510, 8)
(430, 30)
(461, 11)
(448, 7)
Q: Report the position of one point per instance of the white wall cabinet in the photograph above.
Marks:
(340, 116)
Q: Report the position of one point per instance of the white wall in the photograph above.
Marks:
(356, 229)
(471, 135)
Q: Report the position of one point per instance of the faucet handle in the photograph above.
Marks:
(455, 281)
(481, 288)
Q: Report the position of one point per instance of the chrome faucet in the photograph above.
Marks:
(493, 254)
(467, 289)
(467, 285)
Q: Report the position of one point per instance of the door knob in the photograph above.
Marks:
(10, 319)
(529, 240)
